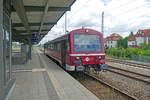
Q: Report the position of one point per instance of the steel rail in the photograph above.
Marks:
(113, 87)
(130, 74)
(109, 85)
(129, 63)
(144, 75)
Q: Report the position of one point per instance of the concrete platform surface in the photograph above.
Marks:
(42, 79)
(139, 62)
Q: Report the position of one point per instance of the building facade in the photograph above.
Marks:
(6, 80)
(142, 36)
(111, 41)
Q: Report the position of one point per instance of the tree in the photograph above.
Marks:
(123, 42)
(131, 34)
(120, 43)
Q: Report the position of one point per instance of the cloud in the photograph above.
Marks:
(121, 16)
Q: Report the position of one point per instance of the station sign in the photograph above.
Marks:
(34, 38)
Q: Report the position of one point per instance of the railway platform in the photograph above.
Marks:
(42, 79)
(133, 61)
(139, 62)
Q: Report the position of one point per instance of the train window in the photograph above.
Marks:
(55, 46)
(45, 46)
(48, 46)
(51, 46)
(67, 46)
(58, 46)
(87, 43)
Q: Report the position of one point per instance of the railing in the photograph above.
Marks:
(141, 58)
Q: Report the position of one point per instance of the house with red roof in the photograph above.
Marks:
(111, 41)
(142, 36)
(132, 41)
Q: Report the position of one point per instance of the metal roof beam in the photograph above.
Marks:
(32, 24)
(19, 7)
(44, 14)
(24, 31)
(18, 32)
(41, 8)
(21, 36)
(59, 18)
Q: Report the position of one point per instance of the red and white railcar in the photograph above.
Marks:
(78, 50)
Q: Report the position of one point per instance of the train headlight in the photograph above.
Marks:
(100, 57)
(86, 30)
(77, 58)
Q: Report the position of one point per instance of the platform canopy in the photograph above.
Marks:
(32, 19)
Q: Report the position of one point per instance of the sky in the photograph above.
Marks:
(120, 16)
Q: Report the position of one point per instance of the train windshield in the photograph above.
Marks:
(87, 43)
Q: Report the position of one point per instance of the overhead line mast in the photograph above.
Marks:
(102, 26)
(66, 23)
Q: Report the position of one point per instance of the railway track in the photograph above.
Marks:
(128, 63)
(130, 74)
(113, 87)
(132, 97)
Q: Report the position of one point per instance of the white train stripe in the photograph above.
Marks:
(96, 54)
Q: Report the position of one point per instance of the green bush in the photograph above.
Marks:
(145, 46)
(145, 53)
(127, 53)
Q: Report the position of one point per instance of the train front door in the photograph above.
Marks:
(63, 53)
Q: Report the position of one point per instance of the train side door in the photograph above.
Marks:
(63, 52)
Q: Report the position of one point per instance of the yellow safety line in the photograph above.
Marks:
(59, 89)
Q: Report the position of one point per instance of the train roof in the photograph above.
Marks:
(58, 38)
(81, 30)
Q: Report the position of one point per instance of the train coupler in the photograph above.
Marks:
(103, 67)
(99, 67)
